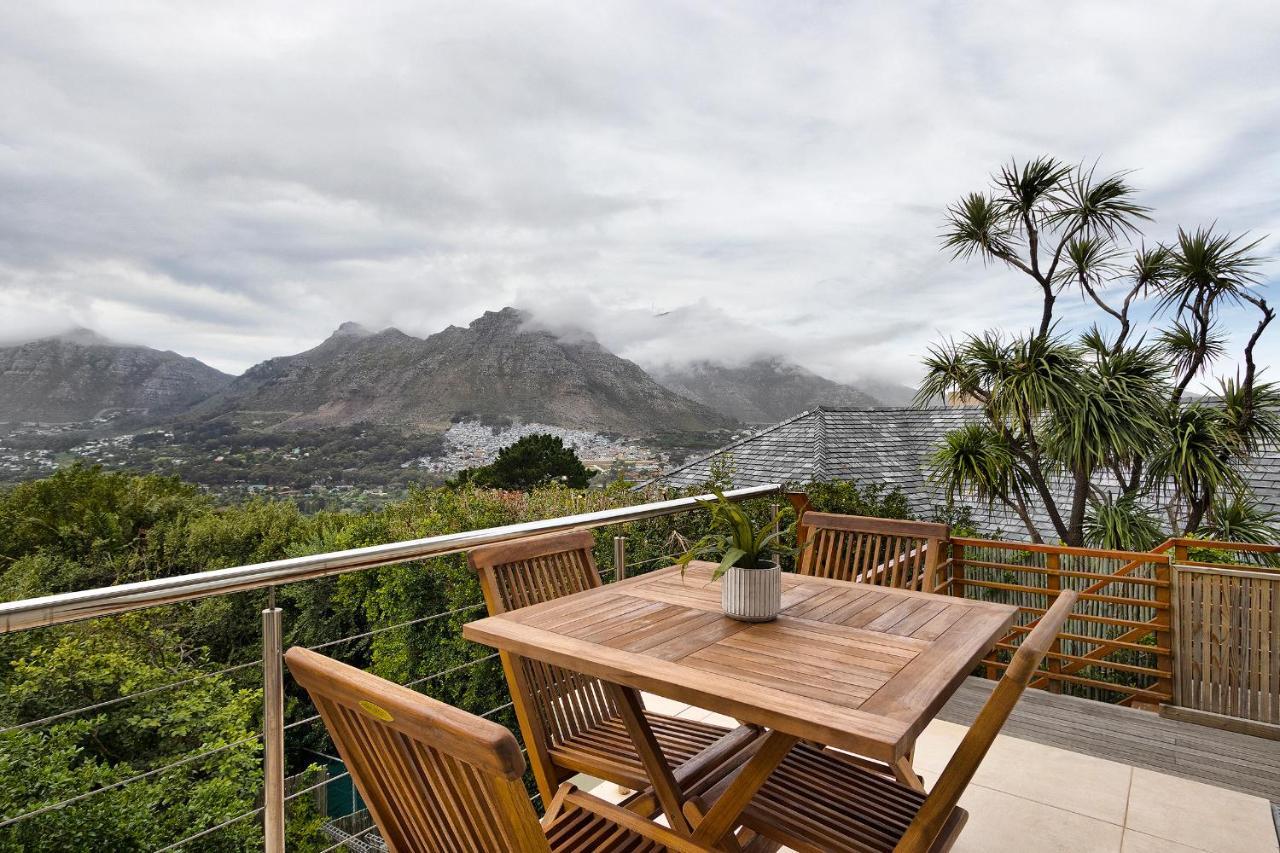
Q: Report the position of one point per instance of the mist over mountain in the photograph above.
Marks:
(498, 366)
(767, 390)
(504, 364)
(78, 375)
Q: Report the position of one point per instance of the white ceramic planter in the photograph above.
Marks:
(752, 595)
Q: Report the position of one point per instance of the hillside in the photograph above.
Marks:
(763, 391)
(79, 375)
(495, 367)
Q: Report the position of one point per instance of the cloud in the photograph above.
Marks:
(683, 181)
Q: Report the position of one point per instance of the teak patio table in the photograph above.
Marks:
(858, 667)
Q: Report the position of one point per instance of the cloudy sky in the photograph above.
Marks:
(233, 180)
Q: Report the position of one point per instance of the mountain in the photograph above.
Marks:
(80, 374)
(767, 390)
(888, 393)
(498, 366)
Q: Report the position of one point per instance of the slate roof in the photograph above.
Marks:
(892, 446)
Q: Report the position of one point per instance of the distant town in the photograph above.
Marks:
(331, 468)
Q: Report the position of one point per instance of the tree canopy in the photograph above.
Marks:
(1098, 428)
(533, 461)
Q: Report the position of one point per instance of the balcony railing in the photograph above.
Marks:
(1190, 624)
(117, 600)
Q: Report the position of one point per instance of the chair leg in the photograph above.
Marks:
(695, 810)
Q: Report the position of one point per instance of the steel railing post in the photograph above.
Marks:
(272, 728)
(619, 558)
(774, 508)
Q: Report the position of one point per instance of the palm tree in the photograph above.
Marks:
(1096, 428)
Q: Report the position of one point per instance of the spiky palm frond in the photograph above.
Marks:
(1209, 268)
(1119, 414)
(1100, 206)
(1180, 345)
(1122, 524)
(1191, 457)
(946, 373)
(1033, 191)
(1252, 422)
(1089, 260)
(976, 225)
(1151, 268)
(1095, 341)
(975, 459)
(1030, 376)
(1237, 517)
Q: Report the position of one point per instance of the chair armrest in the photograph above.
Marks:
(630, 820)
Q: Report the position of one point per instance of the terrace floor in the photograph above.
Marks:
(1077, 776)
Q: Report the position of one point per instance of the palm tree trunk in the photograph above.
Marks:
(1079, 500)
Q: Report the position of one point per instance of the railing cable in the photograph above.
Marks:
(9, 821)
(116, 701)
(202, 833)
(385, 628)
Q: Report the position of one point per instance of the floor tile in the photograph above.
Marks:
(1199, 815)
(1002, 823)
(936, 744)
(1090, 786)
(1139, 842)
(721, 720)
(604, 790)
(1083, 784)
(692, 713)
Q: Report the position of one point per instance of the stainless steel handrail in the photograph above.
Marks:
(112, 600)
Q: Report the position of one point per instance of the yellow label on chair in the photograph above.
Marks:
(375, 711)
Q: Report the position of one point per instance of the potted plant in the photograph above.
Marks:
(752, 589)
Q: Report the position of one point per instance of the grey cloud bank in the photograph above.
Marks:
(233, 180)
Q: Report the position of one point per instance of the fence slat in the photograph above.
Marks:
(1228, 662)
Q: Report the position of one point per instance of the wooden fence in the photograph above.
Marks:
(1192, 626)
(1227, 636)
(1117, 646)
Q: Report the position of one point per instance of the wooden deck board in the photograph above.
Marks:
(1140, 738)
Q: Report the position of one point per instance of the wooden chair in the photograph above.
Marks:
(819, 800)
(436, 778)
(571, 722)
(882, 551)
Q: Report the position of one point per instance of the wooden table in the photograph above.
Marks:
(858, 667)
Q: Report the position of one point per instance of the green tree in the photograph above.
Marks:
(44, 763)
(533, 461)
(1069, 422)
(89, 517)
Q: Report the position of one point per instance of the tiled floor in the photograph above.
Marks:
(1032, 797)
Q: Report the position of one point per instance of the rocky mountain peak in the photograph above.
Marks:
(766, 390)
(81, 336)
(506, 319)
(498, 365)
(351, 329)
(79, 374)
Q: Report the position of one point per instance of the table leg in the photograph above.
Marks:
(655, 763)
(906, 774)
(725, 811)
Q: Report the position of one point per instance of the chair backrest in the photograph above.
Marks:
(536, 569)
(964, 763)
(434, 777)
(552, 704)
(882, 551)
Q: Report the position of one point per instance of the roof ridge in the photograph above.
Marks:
(779, 425)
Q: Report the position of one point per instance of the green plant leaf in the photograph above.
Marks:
(730, 557)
